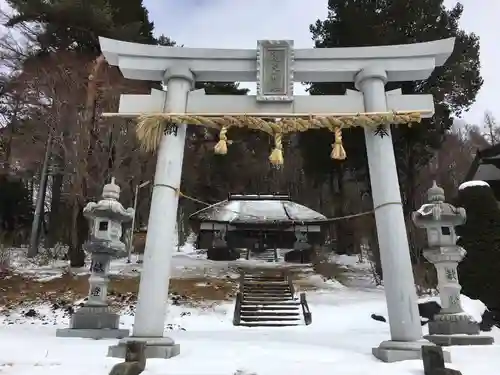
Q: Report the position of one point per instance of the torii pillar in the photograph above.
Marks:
(275, 65)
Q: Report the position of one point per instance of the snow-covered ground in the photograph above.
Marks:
(339, 341)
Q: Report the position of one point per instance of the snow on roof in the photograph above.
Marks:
(468, 184)
(264, 209)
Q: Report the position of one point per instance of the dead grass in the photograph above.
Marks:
(17, 289)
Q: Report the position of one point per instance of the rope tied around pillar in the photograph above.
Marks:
(338, 151)
(351, 216)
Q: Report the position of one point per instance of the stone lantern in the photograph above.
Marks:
(301, 241)
(95, 319)
(452, 326)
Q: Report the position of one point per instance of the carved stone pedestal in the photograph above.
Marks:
(451, 324)
(94, 323)
(456, 329)
(95, 319)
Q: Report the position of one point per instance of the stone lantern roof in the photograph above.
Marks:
(109, 206)
(437, 210)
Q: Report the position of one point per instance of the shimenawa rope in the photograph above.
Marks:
(150, 128)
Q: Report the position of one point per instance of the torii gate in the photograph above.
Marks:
(275, 65)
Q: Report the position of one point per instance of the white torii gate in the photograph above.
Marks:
(275, 65)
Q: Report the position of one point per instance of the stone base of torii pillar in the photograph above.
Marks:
(159, 347)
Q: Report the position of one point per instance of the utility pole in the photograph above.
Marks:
(40, 201)
(131, 238)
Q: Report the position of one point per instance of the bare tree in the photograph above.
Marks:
(491, 128)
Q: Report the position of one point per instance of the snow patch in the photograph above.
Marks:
(321, 282)
(468, 184)
(426, 209)
(341, 338)
(350, 261)
(472, 307)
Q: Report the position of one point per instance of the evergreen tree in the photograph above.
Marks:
(76, 24)
(16, 208)
(358, 23)
(480, 237)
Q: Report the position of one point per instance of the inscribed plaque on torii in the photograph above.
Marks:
(274, 70)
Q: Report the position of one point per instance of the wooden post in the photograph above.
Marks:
(135, 359)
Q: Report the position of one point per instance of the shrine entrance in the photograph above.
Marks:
(275, 65)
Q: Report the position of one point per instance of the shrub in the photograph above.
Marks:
(16, 208)
(480, 237)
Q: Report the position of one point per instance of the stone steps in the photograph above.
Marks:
(267, 256)
(271, 318)
(270, 313)
(277, 310)
(283, 294)
(268, 324)
(265, 283)
(270, 308)
(270, 303)
(253, 298)
(267, 301)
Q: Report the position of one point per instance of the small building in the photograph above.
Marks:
(258, 223)
(486, 167)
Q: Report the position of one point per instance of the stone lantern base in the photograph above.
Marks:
(94, 323)
(456, 329)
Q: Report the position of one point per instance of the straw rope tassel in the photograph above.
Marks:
(276, 157)
(221, 147)
(151, 127)
(338, 152)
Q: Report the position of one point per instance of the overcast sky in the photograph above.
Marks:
(239, 23)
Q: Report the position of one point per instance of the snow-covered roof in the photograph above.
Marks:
(253, 209)
(468, 184)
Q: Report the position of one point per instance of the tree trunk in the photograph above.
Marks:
(79, 228)
(78, 235)
(342, 227)
(39, 214)
(55, 218)
(410, 189)
(375, 254)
